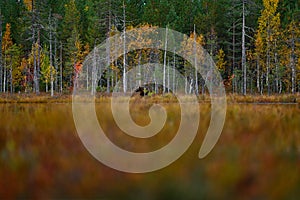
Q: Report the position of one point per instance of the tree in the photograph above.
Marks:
(259, 51)
(32, 63)
(1, 61)
(189, 49)
(36, 46)
(135, 11)
(67, 26)
(221, 63)
(289, 11)
(51, 53)
(124, 49)
(73, 42)
(47, 70)
(233, 43)
(268, 33)
(165, 60)
(140, 55)
(290, 53)
(23, 81)
(7, 43)
(16, 71)
(12, 58)
(244, 68)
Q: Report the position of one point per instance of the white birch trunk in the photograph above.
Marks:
(165, 61)
(244, 53)
(124, 50)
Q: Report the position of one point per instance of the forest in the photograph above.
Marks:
(254, 43)
(50, 48)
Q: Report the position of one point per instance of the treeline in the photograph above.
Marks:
(255, 43)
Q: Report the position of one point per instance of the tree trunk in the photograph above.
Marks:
(1, 61)
(155, 82)
(268, 66)
(191, 86)
(61, 67)
(244, 53)
(280, 86)
(34, 69)
(94, 72)
(35, 60)
(33, 45)
(233, 58)
(174, 68)
(108, 49)
(268, 63)
(55, 60)
(195, 63)
(186, 83)
(4, 74)
(38, 64)
(11, 76)
(293, 63)
(276, 70)
(50, 55)
(169, 87)
(258, 74)
(165, 61)
(262, 83)
(139, 77)
(124, 50)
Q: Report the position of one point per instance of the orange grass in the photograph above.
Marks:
(257, 156)
(167, 98)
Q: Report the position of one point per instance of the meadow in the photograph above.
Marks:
(256, 157)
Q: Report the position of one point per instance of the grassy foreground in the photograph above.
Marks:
(231, 98)
(256, 157)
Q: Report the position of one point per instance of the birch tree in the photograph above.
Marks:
(7, 43)
(268, 31)
(1, 60)
(124, 49)
(51, 53)
(165, 60)
(244, 67)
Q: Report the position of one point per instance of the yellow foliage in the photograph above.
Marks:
(190, 46)
(268, 32)
(199, 38)
(34, 52)
(221, 63)
(18, 76)
(28, 4)
(7, 41)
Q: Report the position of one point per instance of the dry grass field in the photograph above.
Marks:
(256, 157)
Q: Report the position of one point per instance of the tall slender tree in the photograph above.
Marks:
(1, 61)
(73, 44)
(7, 43)
(268, 31)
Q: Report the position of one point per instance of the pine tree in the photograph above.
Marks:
(240, 26)
(73, 42)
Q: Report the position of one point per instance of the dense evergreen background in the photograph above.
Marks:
(255, 43)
